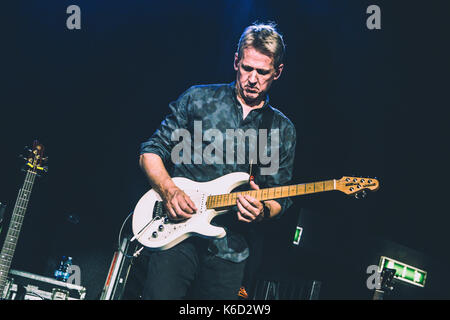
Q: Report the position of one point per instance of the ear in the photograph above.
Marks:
(236, 61)
(278, 71)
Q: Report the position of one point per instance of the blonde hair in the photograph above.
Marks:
(264, 38)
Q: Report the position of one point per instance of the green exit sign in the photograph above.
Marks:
(297, 235)
(404, 272)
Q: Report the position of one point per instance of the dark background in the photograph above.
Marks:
(364, 102)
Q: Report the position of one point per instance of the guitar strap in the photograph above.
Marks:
(254, 236)
(266, 124)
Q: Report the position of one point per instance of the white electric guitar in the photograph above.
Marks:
(153, 229)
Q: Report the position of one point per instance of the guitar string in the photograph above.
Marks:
(20, 206)
(10, 247)
(14, 216)
(215, 200)
(23, 202)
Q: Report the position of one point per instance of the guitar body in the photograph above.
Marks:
(161, 233)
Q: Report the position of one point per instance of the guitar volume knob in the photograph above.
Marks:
(161, 227)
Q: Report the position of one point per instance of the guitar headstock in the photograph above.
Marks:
(357, 186)
(35, 160)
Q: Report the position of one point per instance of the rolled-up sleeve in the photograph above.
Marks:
(160, 142)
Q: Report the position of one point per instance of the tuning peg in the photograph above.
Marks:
(45, 169)
(45, 159)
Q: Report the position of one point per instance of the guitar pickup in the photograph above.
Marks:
(158, 210)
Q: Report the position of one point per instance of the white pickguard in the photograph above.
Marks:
(152, 236)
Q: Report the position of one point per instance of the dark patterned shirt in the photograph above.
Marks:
(205, 137)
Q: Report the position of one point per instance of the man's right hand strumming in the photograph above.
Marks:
(178, 203)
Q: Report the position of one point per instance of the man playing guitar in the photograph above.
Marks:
(200, 268)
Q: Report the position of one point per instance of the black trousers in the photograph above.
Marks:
(190, 271)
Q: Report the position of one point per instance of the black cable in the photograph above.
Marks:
(120, 235)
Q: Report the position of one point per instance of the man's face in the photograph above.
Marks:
(255, 74)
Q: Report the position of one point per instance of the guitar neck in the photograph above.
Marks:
(229, 199)
(15, 226)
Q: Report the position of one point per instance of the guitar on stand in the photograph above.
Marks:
(33, 166)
